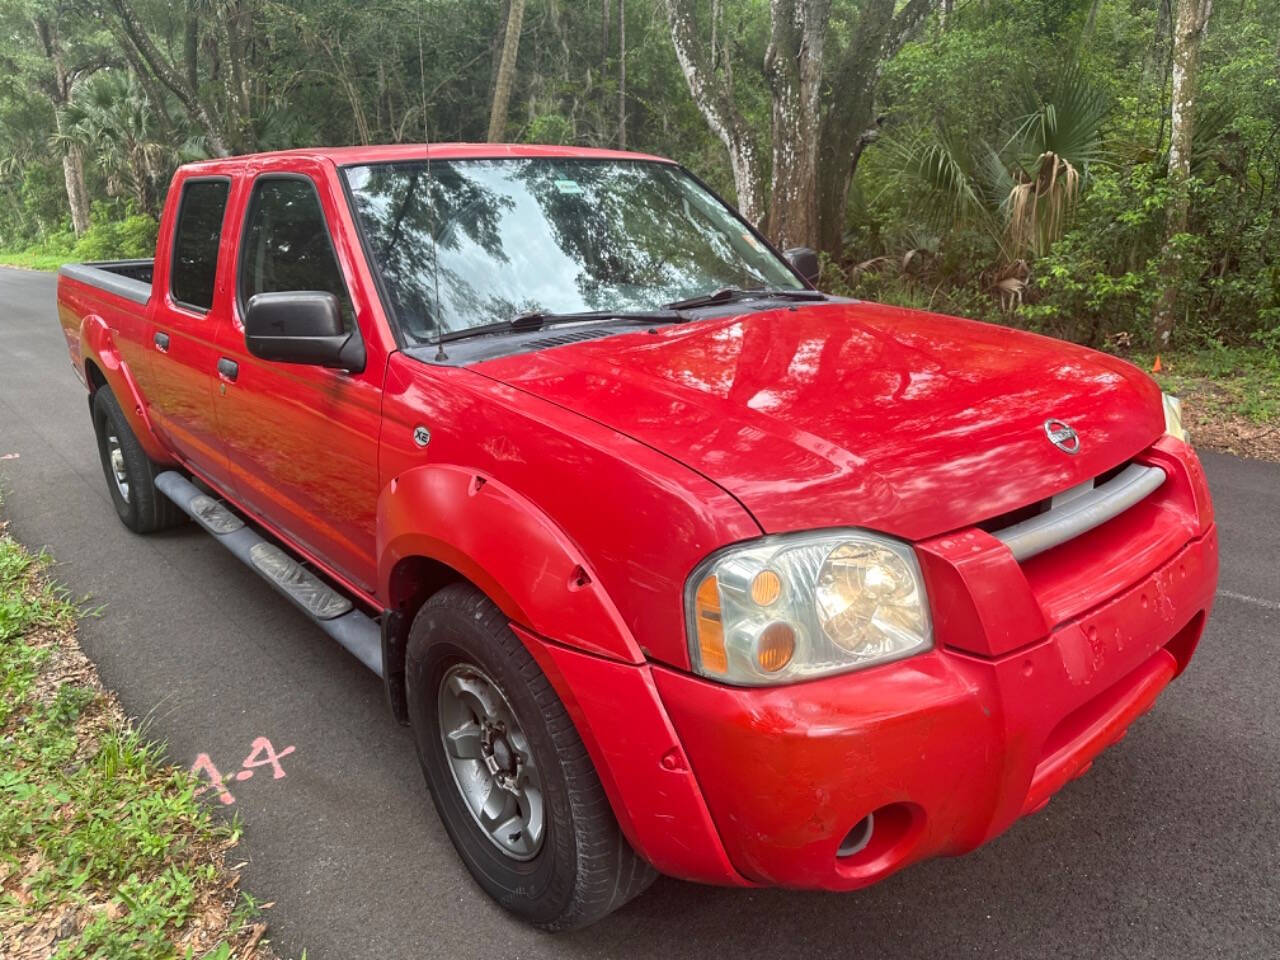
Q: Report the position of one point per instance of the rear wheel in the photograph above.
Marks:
(509, 775)
(129, 471)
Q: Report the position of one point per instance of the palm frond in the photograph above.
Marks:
(941, 166)
(1065, 119)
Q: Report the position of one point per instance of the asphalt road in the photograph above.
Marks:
(1170, 847)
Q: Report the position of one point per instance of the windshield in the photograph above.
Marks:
(549, 235)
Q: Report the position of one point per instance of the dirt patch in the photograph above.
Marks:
(1214, 426)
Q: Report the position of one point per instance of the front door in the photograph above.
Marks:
(301, 440)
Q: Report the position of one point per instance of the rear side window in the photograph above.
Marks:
(195, 242)
(286, 245)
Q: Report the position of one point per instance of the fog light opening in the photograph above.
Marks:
(880, 842)
(856, 840)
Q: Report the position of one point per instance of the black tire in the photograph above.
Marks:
(584, 868)
(143, 509)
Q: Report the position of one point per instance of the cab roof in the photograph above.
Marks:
(344, 156)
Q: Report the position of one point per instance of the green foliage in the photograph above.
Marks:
(134, 236)
(92, 820)
(930, 217)
(549, 128)
(1019, 175)
(1242, 381)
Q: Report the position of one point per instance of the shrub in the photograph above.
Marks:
(134, 236)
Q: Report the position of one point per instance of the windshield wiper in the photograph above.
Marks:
(732, 294)
(538, 319)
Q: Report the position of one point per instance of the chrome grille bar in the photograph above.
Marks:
(1062, 523)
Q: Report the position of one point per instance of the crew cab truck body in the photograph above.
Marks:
(671, 562)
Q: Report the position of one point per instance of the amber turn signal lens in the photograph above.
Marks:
(775, 647)
(710, 627)
(766, 587)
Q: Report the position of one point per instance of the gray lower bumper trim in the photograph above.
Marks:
(355, 631)
(1047, 530)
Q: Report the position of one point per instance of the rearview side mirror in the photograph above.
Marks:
(301, 326)
(805, 262)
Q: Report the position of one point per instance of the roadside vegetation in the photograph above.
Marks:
(104, 850)
(1105, 171)
(1231, 398)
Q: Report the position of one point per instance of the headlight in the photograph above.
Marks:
(1173, 418)
(803, 605)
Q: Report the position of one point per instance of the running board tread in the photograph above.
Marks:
(307, 590)
(333, 612)
(214, 516)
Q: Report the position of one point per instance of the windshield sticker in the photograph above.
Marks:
(755, 244)
(568, 186)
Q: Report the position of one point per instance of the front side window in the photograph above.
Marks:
(195, 242)
(286, 246)
(471, 242)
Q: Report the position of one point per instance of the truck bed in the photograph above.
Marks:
(112, 293)
(130, 279)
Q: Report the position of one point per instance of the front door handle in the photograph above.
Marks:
(162, 342)
(228, 369)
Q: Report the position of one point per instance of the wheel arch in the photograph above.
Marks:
(440, 523)
(104, 367)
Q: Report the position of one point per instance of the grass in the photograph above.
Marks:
(33, 260)
(1230, 396)
(1232, 381)
(104, 850)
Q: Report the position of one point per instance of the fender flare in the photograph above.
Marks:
(505, 545)
(98, 348)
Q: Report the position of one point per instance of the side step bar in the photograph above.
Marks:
(332, 612)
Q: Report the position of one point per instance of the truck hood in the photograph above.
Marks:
(846, 413)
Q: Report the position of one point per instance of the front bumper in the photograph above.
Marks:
(946, 749)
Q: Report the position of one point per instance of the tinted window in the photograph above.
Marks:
(195, 242)
(286, 245)
(474, 241)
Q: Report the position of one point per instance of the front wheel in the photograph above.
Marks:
(509, 775)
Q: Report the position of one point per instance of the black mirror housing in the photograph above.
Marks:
(301, 326)
(805, 262)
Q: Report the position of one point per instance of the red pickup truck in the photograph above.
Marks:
(672, 562)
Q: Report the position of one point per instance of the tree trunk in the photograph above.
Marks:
(712, 92)
(844, 139)
(849, 121)
(58, 89)
(817, 139)
(239, 98)
(128, 29)
(793, 67)
(605, 17)
(191, 45)
(1192, 18)
(622, 74)
(77, 193)
(506, 72)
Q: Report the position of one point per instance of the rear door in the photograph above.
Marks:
(189, 309)
(301, 440)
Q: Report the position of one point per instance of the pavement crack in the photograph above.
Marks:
(1245, 598)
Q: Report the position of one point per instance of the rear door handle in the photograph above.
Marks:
(228, 369)
(162, 342)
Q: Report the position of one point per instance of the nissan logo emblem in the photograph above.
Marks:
(1062, 435)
